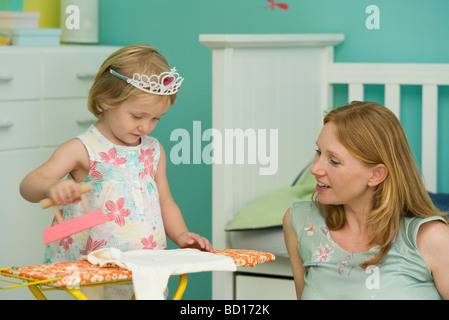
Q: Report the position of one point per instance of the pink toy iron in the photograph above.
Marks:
(75, 225)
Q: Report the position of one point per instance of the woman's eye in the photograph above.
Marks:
(334, 162)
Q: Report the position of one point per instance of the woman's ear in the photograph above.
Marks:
(378, 175)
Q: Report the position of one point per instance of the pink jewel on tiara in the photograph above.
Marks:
(168, 80)
(166, 83)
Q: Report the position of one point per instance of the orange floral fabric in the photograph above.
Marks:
(244, 258)
(72, 273)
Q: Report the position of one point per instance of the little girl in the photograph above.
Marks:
(127, 168)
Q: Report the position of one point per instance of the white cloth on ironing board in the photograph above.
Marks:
(151, 269)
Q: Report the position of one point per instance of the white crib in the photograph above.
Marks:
(285, 82)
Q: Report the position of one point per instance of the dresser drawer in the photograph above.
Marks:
(250, 287)
(64, 119)
(69, 72)
(20, 74)
(20, 124)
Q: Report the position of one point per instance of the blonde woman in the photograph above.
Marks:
(372, 231)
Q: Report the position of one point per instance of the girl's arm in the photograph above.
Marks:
(174, 224)
(291, 243)
(45, 181)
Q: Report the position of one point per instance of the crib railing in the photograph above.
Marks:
(392, 76)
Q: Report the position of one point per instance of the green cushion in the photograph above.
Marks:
(269, 211)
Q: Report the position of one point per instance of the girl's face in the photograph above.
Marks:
(127, 122)
(342, 179)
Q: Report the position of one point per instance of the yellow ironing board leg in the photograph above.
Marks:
(181, 287)
(36, 292)
(76, 293)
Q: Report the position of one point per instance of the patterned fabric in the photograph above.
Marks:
(72, 273)
(243, 258)
(124, 188)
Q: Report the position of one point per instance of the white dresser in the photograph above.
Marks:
(43, 96)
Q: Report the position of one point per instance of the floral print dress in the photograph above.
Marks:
(334, 273)
(124, 188)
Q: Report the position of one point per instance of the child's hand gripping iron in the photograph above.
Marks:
(75, 225)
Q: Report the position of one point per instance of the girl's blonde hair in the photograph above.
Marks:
(109, 91)
(373, 134)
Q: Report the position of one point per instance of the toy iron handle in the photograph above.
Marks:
(47, 203)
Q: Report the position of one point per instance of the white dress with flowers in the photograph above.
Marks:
(124, 188)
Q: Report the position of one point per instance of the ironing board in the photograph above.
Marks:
(73, 276)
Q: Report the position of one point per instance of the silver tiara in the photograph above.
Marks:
(166, 83)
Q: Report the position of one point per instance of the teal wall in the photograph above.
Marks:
(410, 31)
(11, 5)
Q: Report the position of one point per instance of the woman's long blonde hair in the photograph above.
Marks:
(373, 134)
(108, 90)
